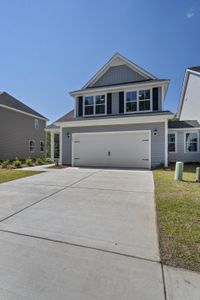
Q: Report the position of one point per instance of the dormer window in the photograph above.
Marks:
(100, 104)
(89, 105)
(131, 101)
(94, 105)
(144, 100)
(137, 101)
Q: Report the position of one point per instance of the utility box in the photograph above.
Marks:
(179, 171)
(198, 174)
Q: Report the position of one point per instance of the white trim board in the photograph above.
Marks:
(115, 121)
(23, 112)
(124, 87)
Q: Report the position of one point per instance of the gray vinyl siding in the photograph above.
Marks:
(115, 102)
(157, 142)
(180, 155)
(117, 75)
(16, 129)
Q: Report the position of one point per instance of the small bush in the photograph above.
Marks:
(29, 162)
(40, 161)
(17, 163)
(5, 164)
(47, 160)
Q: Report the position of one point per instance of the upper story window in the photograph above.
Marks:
(36, 123)
(144, 100)
(172, 142)
(131, 101)
(89, 105)
(94, 105)
(191, 142)
(139, 100)
(31, 146)
(100, 104)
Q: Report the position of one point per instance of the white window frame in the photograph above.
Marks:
(188, 152)
(36, 123)
(29, 146)
(175, 133)
(41, 141)
(137, 90)
(94, 104)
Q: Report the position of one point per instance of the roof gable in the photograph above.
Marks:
(189, 71)
(116, 63)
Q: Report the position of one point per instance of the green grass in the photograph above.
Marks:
(8, 175)
(178, 214)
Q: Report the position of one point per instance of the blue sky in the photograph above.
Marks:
(49, 47)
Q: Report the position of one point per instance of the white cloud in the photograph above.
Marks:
(190, 13)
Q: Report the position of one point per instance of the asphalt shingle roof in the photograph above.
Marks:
(70, 116)
(196, 69)
(11, 102)
(184, 124)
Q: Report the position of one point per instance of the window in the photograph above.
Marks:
(144, 100)
(89, 105)
(172, 142)
(100, 104)
(131, 101)
(31, 146)
(191, 142)
(36, 123)
(95, 105)
(41, 146)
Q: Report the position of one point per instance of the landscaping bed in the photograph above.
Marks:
(178, 215)
(8, 175)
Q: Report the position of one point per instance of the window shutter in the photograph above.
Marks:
(109, 103)
(80, 106)
(155, 99)
(121, 102)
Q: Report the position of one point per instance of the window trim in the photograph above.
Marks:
(176, 144)
(190, 131)
(94, 104)
(137, 101)
(29, 146)
(36, 121)
(41, 141)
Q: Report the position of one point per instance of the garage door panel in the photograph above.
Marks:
(121, 149)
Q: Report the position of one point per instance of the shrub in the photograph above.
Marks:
(40, 161)
(47, 160)
(5, 164)
(17, 163)
(29, 162)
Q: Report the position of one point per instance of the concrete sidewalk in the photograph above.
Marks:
(84, 234)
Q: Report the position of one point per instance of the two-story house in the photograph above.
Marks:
(118, 119)
(184, 135)
(22, 130)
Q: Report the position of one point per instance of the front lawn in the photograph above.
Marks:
(178, 214)
(7, 175)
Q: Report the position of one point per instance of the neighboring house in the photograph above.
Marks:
(184, 135)
(189, 105)
(22, 131)
(118, 119)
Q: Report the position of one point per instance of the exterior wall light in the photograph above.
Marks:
(68, 135)
(155, 132)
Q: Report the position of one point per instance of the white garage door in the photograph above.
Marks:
(129, 149)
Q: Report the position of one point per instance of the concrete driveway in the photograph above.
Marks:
(80, 234)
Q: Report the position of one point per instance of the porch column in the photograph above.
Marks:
(166, 143)
(60, 146)
(52, 146)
